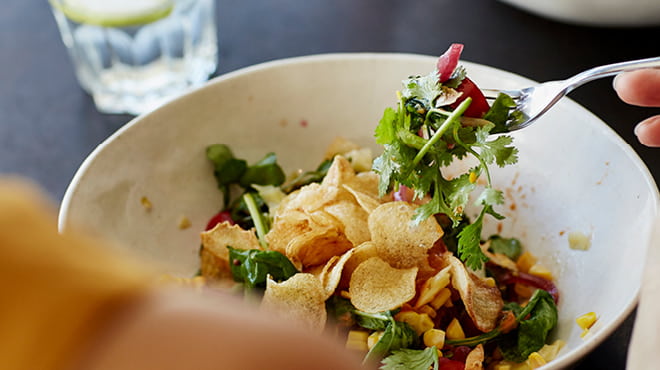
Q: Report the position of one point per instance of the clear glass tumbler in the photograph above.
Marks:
(135, 68)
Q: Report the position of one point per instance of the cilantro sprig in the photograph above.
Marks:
(423, 135)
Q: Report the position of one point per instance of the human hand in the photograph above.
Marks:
(642, 88)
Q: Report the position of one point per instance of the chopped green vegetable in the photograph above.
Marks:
(308, 177)
(397, 335)
(258, 218)
(253, 266)
(510, 247)
(227, 169)
(417, 161)
(264, 172)
(411, 359)
(536, 320)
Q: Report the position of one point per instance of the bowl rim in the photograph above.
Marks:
(570, 358)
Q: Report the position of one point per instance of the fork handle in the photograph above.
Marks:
(609, 70)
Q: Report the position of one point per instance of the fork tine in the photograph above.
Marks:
(493, 93)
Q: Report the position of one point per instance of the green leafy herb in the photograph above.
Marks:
(227, 169)
(536, 320)
(411, 359)
(264, 172)
(418, 161)
(510, 247)
(308, 177)
(254, 265)
(397, 335)
(373, 321)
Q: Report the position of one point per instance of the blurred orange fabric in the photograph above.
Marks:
(56, 291)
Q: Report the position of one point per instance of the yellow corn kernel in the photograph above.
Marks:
(454, 330)
(490, 282)
(540, 271)
(357, 340)
(526, 261)
(503, 365)
(473, 177)
(441, 298)
(534, 360)
(432, 286)
(420, 322)
(373, 338)
(434, 338)
(523, 291)
(587, 320)
(427, 310)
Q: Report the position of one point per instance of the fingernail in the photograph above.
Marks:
(614, 81)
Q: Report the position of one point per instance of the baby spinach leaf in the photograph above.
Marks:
(536, 320)
(397, 335)
(510, 247)
(264, 172)
(254, 265)
(226, 168)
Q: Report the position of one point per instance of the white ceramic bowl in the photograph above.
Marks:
(607, 13)
(574, 175)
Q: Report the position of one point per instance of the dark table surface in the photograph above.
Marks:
(48, 125)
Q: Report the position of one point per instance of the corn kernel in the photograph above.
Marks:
(146, 203)
(441, 298)
(357, 340)
(526, 261)
(432, 287)
(540, 271)
(427, 310)
(535, 360)
(473, 177)
(503, 365)
(434, 338)
(587, 320)
(454, 330)
(490, 282)
(523, 291)
(373, 338)
(420, 322)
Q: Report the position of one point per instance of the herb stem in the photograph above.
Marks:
(257, 218)
(453, 117)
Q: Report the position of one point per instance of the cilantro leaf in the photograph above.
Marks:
(411, 359)
(397, 335)
(469, 238)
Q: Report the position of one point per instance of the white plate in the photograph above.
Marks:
(574, 174)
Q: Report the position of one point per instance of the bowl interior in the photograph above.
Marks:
(574, 173)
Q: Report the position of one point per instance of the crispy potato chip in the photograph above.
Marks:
(313, 197)
(354, 219)
(214, 253)
(307, 239)
(482, 301)
(366, 182)
(339, 146)
(300, 299)
(332, 271)
(365, 200)
(375, 286)
(360, 254)
(400, 242)
(340, 172)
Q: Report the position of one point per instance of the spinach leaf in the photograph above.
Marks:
(254, 265)
(373, 321)
(340, 310)
(411, 359)
(308, 177)
(226, 168)
(397, 335)
(536, 320)
(510, 247)
(500, 113)
(264, 172)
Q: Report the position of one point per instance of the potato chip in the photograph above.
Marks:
(339, 146)
(307, 239)
(354, 219)
(365, 200)
(332, 271)
(375, 286)
(398, 240)
(483, 302)
(214, 253)
(360, 254)
(300, 299)
(340, 172)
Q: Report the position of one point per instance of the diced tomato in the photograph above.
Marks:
(447, 364)
(448, 61)
(479, 106)
(222, 216)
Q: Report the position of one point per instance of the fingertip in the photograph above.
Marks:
(639, 87)
(648, 132)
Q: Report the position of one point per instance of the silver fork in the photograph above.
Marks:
(534, 101)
